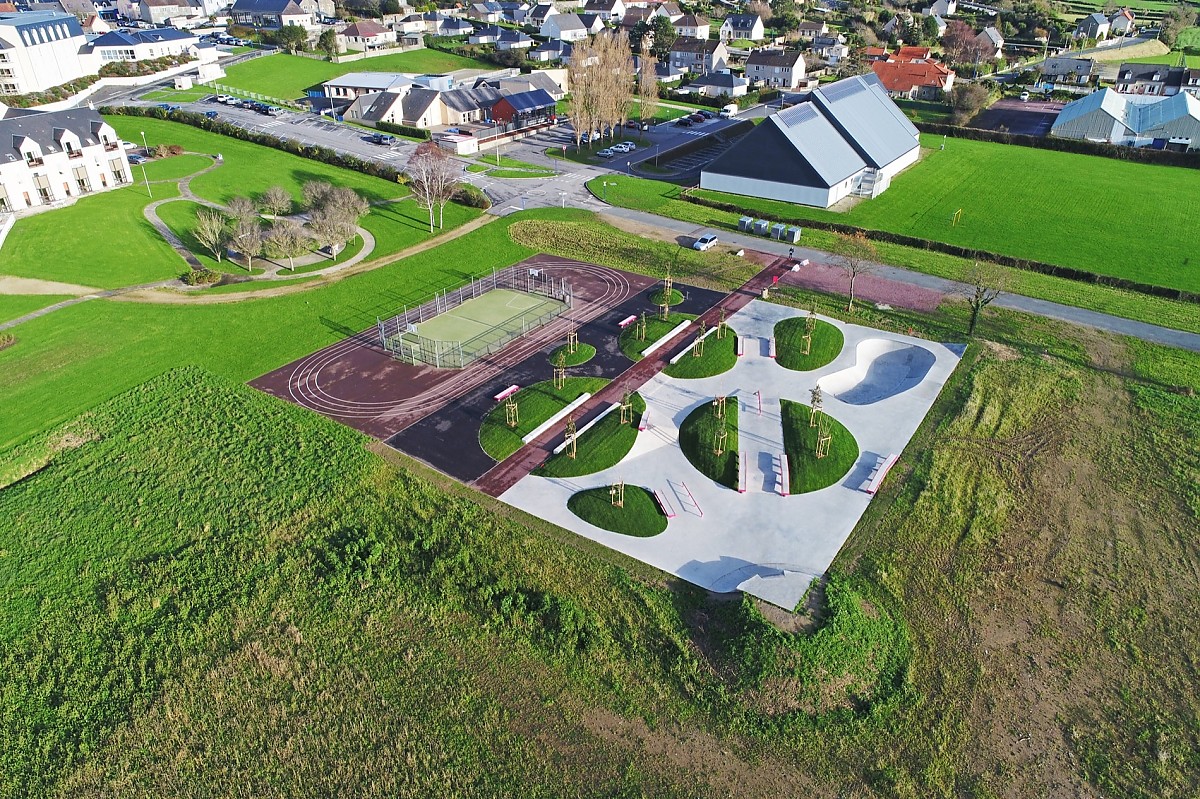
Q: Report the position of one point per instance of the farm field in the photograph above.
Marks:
(1170, 59)
(287, 76)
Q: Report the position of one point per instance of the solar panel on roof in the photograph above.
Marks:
(842, 89)
(795, 115)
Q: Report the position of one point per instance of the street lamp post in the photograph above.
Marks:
(604, 184)
(146, 151)
(145, 147)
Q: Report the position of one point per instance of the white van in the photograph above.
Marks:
(729, 111)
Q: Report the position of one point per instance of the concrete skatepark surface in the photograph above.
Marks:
(768, 545)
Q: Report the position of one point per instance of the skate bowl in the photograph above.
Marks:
(883, 368)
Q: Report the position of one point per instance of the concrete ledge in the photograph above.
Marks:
(588, 426)
(691, 346)
(556, 418)
(674, 332)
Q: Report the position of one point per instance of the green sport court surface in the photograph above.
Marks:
(495, 315)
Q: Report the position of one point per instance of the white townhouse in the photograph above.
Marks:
(41, 49)
(138, 45)
(743, 26)
(49, 156)
(564, 27)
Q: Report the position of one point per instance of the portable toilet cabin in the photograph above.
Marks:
(777, 230)
(792, 235)
(744, 224)
(761, 226)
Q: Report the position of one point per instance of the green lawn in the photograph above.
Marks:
(582, 354)
(639, 515)
(601, 447)
(535, 404)
(180, 217)
(806, 471)
(509, 164)
(178, 95)
(633, 346)
(656, 297)
(1170, 59)
(719, 355)
(79, 356)
(1013, 201)
(698, 439)
(16, 305)
(287, 76)
(130, 251)
(827, 342)
(249, 169)
(925, 111)
(171, 167)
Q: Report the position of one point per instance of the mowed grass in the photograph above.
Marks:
(1014, 201)
(287, 76)
(535, 404)
(79, 356)
(14, 306)
(583, 353)
(827, 343)
(633, 345)
(1171, 59)
(172, 167)
(807, 472)
(603, 446)
(698, 437)
(180, 217)
(102, 240)
(717, 355)
(638, 515)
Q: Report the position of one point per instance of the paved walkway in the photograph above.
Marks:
(760, 542)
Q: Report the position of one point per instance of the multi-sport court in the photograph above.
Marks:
(758, 541)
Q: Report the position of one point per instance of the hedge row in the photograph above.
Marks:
(51, 95)
(953, 249)
(403, 130)
(324, 155)
(1143, 155)
(148, 66)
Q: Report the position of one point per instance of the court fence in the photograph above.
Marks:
(399, 337)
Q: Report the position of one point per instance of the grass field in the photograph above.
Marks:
(13, 306)
(656, 328)
(806, 471)
(698, 438)
(171, 167)
(1000, 188)
(719, 355)
(601, 447)
(535, 404)
(639, 515)
(827, 342)
(287, 76)
(1171, 59)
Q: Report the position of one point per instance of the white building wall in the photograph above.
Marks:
(29, 68)
(771, 190)
(889, 171)
(19, 180)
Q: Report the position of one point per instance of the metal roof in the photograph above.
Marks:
(536, 100)
(868, 118)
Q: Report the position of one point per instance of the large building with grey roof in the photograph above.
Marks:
(39, 50)
(47, 157)
(1136, 120)
(844, 139)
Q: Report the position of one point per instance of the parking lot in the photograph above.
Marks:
(1030, 118)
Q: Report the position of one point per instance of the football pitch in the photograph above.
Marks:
(496, 315)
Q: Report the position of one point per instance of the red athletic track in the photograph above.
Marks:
(358, 384)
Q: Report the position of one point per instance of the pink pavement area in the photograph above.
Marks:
(869, 288)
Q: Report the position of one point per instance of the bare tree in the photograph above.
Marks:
(985, 282)
(648, 88)
(583, 79)
(211, 231)
(855, 255)
(432, 176)
(242, 208)
(287, 239)
(314, 193)
(275, 201)
(247, 239)
(762, 8)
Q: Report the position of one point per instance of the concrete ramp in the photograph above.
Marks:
(883, 368)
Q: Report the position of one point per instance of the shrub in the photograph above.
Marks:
(471, 196)
(7, 340)
(165, 150)
(51, 95)
(403, 130)
(201, 277)
(148, 66)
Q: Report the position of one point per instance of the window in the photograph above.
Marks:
(43, 188)
(4, 204)
(118, 170)
(81, 179)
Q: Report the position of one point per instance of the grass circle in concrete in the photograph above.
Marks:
(808, 472)
(827, 343)
(535, 404)
(639, 516)
(582, 354)
(601, 447)
(698, 437)
(633, 346)
(718, 355)
(656, 297)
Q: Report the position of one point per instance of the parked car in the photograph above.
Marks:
(705, 242)
(1024, 97)
(607, 152)
(683, 122)
(698, 118)
(223, 99)
(708, 115)
(382, 138)
(210, 114)
(729, 111)
(137, 159)
(625, 147)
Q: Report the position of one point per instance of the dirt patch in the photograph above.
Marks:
(1002, 352)
(29, 285)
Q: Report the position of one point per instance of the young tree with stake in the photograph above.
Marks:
(855, 255)
(985, 282)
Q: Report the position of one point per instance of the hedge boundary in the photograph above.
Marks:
(404, 130)
(888, 237)
(1142, 155)
(324, 155)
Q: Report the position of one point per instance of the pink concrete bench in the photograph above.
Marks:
(506, 393)
(627, 321)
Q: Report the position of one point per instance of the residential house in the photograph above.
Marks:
(41, 49)
(424, 107)
(486, 35)
(1069, 71)
(514, 13)
(914, 80)
(898, 26)
(910, 52)
(320, 9)
(811, 30)
(1191, 82)
(345, 88)
(742, 26)
(831, 48)
(96, 25)
(871, 54)
(666, 72)
(142, 45)
(608, 10)
(843, 139)
(269, 14)
(633, 15)
(699, 55)
(158, 12)
(671, 11)
(941, 8)
(553, 50)
(48, 156)
(567, 27)
(692, 27)
(1093, 26)
(991, 43)
(719, 84)
(525, 109)
(450, 26)
(540, 13)
(1171, 123)
(485, 12)
(592, 23)
(1122, 23)
(779, 69)
(366, 35)
(1155, 79)
(510, 39)
(541, 79)
(940, 25)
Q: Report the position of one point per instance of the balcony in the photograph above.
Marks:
(34, 161)
(74, 153)
(110, 146)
